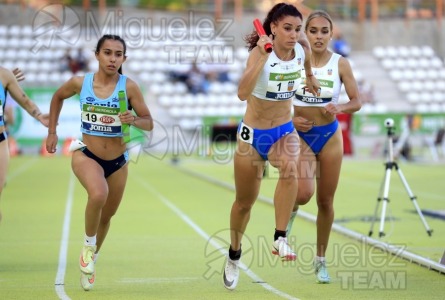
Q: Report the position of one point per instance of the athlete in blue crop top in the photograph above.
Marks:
(100, 159)
(9, 83)
(321, 140)
(268, 84)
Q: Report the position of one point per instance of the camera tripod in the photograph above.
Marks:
(384, 188)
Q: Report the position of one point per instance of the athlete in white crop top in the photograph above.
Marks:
(101, 160)
(268, 84)
(330, 85)
(279, 79)
(320, 135)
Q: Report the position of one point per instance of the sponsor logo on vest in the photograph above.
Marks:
(100, 128)
(100, 109)
(285, 95)
(290, 85)
(108, 104)
(106, 119)
(312, 100)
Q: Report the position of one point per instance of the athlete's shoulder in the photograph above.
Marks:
(5, 75)
(3, 70)
(77, 80)
(130, 83)
(343, 62)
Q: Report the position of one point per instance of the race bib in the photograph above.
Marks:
(101, 119)
(282, 86)
(246, 133)
(324, 94)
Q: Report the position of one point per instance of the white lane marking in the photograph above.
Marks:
(63, 252)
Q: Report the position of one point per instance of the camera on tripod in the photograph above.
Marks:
(384, 187)
(389, 123)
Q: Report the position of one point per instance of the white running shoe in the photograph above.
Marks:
(86, 260)
(321, 272)
(231, 274)
(281, 248)
(87, 280)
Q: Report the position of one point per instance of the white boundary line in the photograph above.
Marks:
(395, 250)
(204, 235)
(63, 252)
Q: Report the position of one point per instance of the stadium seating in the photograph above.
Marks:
(418, 73)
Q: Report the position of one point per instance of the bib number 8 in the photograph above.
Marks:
(246, 133)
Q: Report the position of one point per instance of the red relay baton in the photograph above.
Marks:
(260, 30)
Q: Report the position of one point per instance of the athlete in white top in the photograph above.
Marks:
(268, 84)
(321, 138)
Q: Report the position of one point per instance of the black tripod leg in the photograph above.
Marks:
(414, 201)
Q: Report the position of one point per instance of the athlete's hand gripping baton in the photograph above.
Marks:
(260, 30)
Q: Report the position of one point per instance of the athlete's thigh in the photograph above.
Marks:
(4, 162)
(285, 152)
(116, 187)
(89, 172)
(308, 170)
(249, 167)
(330, 160)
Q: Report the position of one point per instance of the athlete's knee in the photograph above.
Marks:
(98, 197)
(327, 205)
(304, 197)
(243, 205)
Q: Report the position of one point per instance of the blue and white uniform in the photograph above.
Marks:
(2, 103)
(278, 81)
(100, 118)
(2, 108)
(330, 86)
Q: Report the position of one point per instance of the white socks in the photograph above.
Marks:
(90, 240)
(320, 259)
